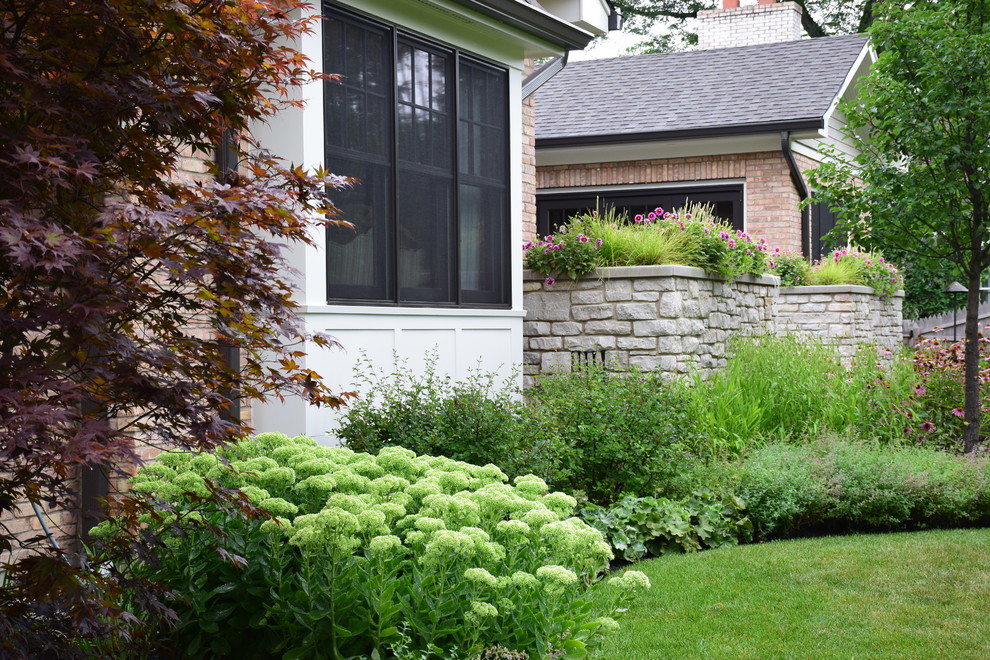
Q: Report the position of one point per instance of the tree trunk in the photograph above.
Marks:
(971, 379)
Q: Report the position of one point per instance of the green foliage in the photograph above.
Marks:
(617, 434)
(592, 431)
(689, 237)
(920, 124)
(791, 268)
(569, 253)
(477, 419)
(635, 245)
(789, 388)
(641, 526)
(360, 546)
(847, 486)
(939, 365)
(661, 23)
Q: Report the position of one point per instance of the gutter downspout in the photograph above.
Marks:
(803, 191)
(544, 74)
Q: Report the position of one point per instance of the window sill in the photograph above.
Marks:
(411, 311)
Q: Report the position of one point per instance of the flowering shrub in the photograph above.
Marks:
(843, 266)
(791, 268)
(364, 553)
(689, 237)
(569, 253)
(939, 365)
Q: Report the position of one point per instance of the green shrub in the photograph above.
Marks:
(477, 420)
(641, 526)
(369, 553)
(792, 387)
(843, 486)
(792, 268)
(617, 434)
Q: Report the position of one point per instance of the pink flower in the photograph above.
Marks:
(927, 427)
(723, 234)
(527, 245)
(651, 215)
(639, 217)
(582, 238)
(598, 242)
(549, 281)
(658, 210)
(688, 216)
(548, 239)
(732, 243)
(958, 412)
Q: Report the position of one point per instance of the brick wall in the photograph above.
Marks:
(770, 198)
(528, 161)
(749, 25)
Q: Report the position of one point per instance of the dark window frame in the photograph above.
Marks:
(549, 201)
(387, 289)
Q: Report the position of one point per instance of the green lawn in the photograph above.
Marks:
(919, 595)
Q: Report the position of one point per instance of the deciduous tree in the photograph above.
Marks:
(921, 182)
(120, 279)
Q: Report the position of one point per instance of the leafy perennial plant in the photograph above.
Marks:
(394, 555)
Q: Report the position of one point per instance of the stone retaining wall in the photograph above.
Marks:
(675, 319)
(654, 318)
(848, 315)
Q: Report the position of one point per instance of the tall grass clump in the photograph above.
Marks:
(789, 388)
(626, 244)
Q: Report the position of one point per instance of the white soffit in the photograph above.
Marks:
(614, 153)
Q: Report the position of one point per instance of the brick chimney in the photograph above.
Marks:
(767, 22)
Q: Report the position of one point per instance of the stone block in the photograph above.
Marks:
(654, 284)
(618, 290)
(545, 343)
(531, 358)
(536, 328)
(566, 328)
(589, 297)
(655, 328)
(671, 305)
(653, 362)
(608, 327)
(646, 296)
(637, 343)
(669, 345)
(586, 343)
(589, 312)
(635, 311)
(547, 306)
(532, 286)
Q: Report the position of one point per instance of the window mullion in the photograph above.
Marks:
(394, 202)
(455, 268)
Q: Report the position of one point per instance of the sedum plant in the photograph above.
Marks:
(366, 555)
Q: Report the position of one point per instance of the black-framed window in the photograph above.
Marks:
(424, 127)
(554, 209)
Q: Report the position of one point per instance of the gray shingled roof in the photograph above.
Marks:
(728, 90)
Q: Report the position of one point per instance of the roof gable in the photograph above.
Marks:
(780, 86)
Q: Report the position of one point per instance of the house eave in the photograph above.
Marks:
(811, 123)
(531, 20)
